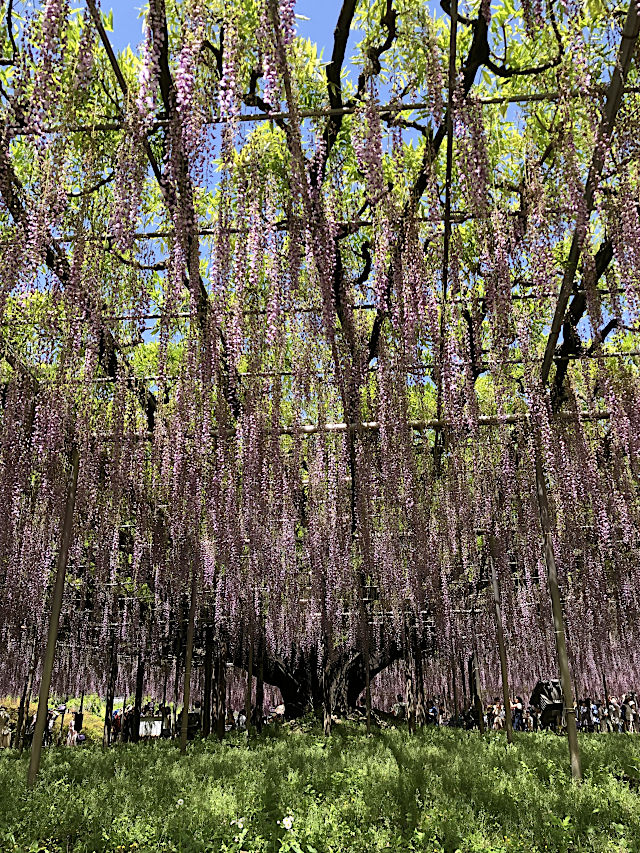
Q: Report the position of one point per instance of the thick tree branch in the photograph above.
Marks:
(374, 52)
(92, 189)
(12, 38)
(477, 56)
(507, 73)
(612, 105)
(571, 346)
(167, 90)
(334, 89)
(56, 260)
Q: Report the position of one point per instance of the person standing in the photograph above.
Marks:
(72, 735)
(518, 711)
(5, 729)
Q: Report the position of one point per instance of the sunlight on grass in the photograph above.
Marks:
(440, 790)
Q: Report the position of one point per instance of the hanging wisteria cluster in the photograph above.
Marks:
(303, 388)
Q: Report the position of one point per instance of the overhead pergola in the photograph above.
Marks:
(277, 334)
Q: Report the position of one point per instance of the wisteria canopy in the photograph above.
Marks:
(310, 324)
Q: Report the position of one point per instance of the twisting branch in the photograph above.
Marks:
(157, 267)
(507, 73)
(104, 38)
(334, 90)
(253, 99)
(571, 344)
(445, 5)
(57, 261)
(90, 190)
(453, 46)
(167, 90)
(216, 51)
(477, 368)
(12, 39)
(374, 52)
(601, 336)
(477, 56)
(368, 262)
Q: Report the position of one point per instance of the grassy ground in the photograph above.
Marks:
(439, 790)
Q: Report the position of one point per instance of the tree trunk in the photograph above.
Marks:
(54, 619)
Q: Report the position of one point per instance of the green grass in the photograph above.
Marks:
(439, 790)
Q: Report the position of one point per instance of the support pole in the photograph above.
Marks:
(25, 701)
(137, 702)
(367, 685)
(247, 701)
(22, 730)
(186, 693)
(208, 678)
(464, 683)
(421, 711)
(558, 618)
(260, 684)
(410, 693)
(327, 703)
(21, 711)
(221, 690)
(502, 648)
(176, 680)
(61, 735)
(474, 687)
(54, 620)
(454, 686)
(111, 688)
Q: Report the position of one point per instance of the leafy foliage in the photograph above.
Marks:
(440, 790)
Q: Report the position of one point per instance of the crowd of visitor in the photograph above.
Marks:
(592, 715)
(53, 734)
(160, 720)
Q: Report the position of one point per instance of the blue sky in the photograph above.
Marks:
(322, 14)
